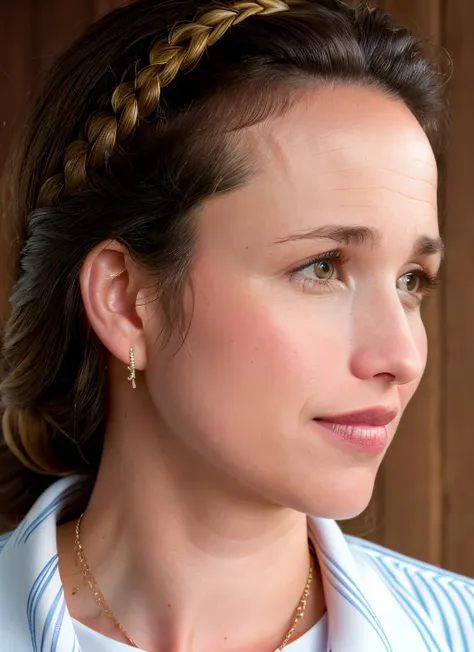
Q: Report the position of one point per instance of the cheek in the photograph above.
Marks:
(253, 359)
(269, 343)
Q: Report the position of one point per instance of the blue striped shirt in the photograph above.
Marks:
(377, 600)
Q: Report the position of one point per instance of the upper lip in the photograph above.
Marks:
(375, 416)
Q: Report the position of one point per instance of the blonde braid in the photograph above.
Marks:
(135, 100)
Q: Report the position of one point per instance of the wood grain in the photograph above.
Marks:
(57, 25)
(422, 17)
(102, 7)
(459, 311)
(17, 71)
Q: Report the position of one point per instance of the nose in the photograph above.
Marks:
(388, 342)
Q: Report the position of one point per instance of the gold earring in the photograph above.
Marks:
(117, 274)
(131, 368)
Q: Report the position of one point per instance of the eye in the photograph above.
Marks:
(322, 274)
(417, 284)
(410, 282)
(324, 269)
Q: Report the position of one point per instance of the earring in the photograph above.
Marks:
(117, 274)
(131, 368)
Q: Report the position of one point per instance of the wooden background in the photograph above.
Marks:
(423, 501)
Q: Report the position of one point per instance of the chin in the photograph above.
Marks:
(342, 510)
(339, 500)
(345, 512)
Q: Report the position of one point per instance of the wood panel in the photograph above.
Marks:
(423, 17)
(459, 314)
(57, 24)
(101, 7)
(17, 70)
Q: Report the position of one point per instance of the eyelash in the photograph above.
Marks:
(428, 281)
(336, 255)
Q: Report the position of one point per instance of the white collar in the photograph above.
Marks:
(363, 615)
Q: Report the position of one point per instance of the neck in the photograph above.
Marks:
(186, 559)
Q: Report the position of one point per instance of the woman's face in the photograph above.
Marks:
(306, 341)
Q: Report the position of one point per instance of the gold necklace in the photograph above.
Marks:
(105, 608)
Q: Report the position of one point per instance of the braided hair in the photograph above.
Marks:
(136, 100)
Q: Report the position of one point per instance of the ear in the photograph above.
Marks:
(110, 287)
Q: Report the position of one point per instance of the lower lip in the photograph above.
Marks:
(359, 438)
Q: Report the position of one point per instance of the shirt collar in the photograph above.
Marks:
(362, 613)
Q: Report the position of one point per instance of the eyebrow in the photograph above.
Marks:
(426, 246)
(343, 234)
(358, 235)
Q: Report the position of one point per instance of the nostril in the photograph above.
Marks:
(386, 376)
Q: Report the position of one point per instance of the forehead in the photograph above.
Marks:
(344, 154)
(346, 124)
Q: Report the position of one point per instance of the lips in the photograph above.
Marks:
(371, 418)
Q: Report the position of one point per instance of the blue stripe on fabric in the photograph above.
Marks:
(57, 627)
(43, 515)
(391, 554)
(420, 598)
(456, 613)
(421, 568)
(355, 588)
(35, 605)
(469, 611)
(37, 591)
(4, 539)
(435, 600)
(20, 530)
(407, 607)
(37, 583)
(49, 617)
(47, 511)
(357, 593)
(356, 606)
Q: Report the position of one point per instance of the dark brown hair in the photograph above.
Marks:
(135, 126)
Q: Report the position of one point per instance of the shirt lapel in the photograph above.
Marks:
(363, 615)
(33, 615)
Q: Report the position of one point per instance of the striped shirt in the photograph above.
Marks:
(377, 600)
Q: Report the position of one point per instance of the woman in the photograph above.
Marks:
(227, 224)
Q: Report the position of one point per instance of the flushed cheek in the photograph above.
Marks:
(267, 355)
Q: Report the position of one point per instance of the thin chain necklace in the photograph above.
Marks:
(107, 611)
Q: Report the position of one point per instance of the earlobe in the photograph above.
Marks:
(110, 287)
